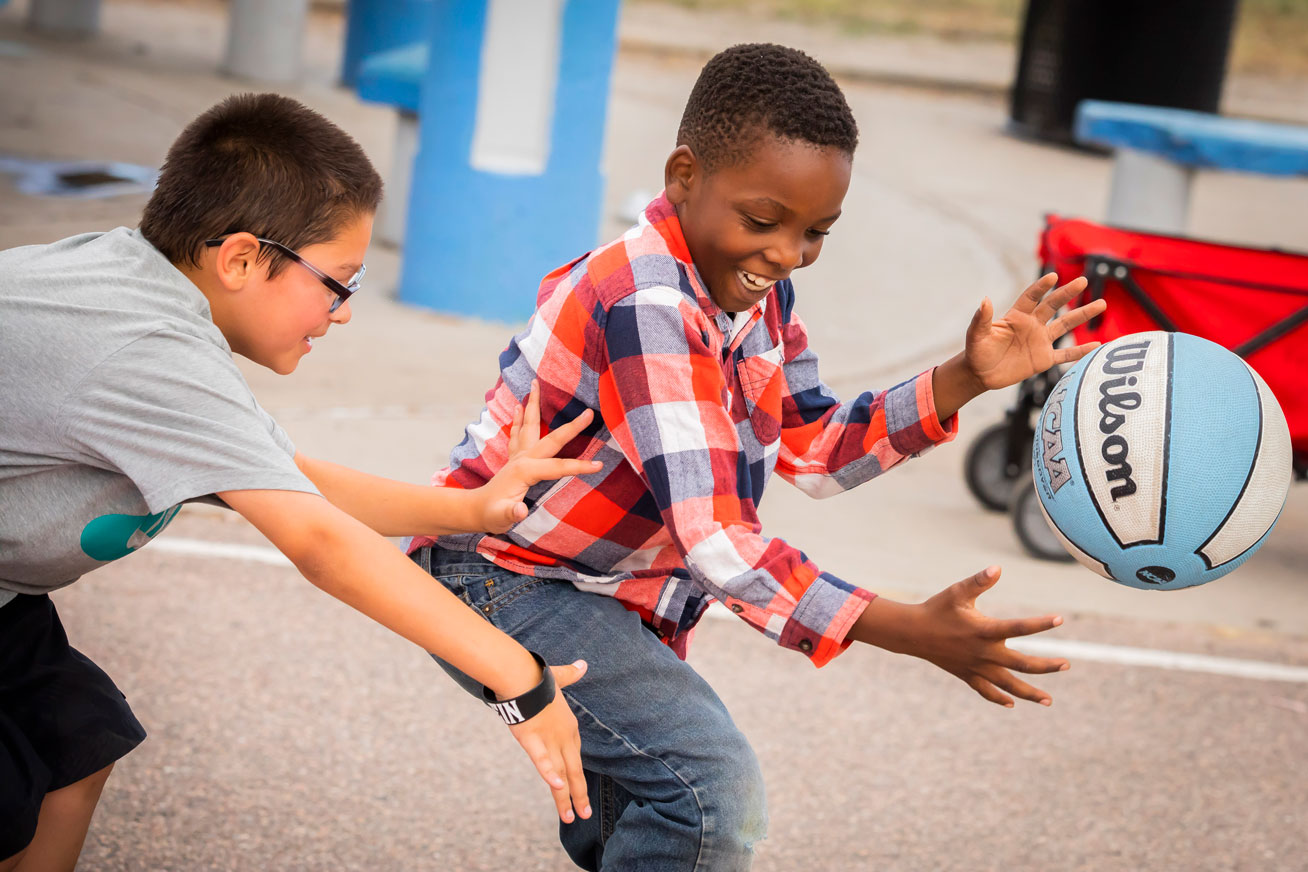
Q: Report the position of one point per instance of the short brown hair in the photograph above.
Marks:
(264, 164)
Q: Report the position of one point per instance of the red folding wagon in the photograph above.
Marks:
(1249, 300)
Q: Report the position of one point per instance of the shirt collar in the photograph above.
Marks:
(662, 216)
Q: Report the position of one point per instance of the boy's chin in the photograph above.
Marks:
(284, 365)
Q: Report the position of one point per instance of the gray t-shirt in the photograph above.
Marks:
(119, 400)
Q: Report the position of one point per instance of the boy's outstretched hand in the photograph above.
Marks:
(531, 460)
(947, 630)
(553, 743)
(1003, 352)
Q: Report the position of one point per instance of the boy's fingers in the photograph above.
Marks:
(1061, 297)
(989, 691)
(1019, 662)
(1007, 629)
(553, 443)
(515, 432)
(1068, 355)
(577, 780)
(570, 674)
(1019, 688)
(1076, 318)
(970, 588)
(548, 469)
(981, 319)
(535, 747)
(562, 798)
(1034, 293)
(531, 417)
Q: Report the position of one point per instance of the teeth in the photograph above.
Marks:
(753, 282)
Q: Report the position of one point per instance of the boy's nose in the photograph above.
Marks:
(785, 257)
(341, 315)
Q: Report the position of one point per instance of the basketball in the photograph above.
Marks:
(1161, 460)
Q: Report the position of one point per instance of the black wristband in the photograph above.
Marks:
(527, 705)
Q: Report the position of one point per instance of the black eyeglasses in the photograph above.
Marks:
(342, 291)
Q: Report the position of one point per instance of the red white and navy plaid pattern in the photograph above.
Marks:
(695, 408)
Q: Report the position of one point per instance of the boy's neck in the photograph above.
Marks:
(201, 278)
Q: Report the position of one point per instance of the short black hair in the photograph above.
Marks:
(750, 89)
(264, 164)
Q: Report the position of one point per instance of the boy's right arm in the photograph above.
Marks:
(948, 631)
(360, 568)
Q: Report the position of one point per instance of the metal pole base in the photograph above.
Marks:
(1149, 192)
(394, 208)
(67, 18)
(264, 38)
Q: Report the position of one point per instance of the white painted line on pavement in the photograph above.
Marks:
(1160, 659)
(228, 550)
(1092, 651)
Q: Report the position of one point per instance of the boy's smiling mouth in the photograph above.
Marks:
(753, 283)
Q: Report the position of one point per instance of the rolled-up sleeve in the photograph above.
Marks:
(829, 446)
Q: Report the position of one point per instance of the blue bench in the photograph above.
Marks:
(394, 78)
(1158, 150)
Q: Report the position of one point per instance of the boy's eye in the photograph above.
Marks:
(813, 231)
(758, 224)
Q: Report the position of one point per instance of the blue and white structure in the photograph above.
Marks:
(507, 182)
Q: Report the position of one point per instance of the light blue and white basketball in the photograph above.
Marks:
(1161, 460)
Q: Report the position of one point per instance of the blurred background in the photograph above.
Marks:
(288, 733)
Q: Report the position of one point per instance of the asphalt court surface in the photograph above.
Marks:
(286, 733)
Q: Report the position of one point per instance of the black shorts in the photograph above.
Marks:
(61, 717)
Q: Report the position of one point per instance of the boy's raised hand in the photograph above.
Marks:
(1020, 344)
(531, 460)
(947, 630)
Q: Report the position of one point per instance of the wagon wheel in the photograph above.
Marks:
(1029, 522)
(986, 468)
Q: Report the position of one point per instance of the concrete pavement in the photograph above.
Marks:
(873, 763)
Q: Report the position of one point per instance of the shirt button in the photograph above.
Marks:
(805, 645)
(737, 608)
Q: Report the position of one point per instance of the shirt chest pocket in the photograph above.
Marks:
(761, 381)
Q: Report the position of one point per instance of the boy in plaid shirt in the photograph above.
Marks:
(682, 336)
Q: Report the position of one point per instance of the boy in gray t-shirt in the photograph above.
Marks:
(121, 402)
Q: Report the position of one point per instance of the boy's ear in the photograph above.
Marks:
(235, 261)
(680, 174)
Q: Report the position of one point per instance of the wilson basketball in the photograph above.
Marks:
(1161, 460)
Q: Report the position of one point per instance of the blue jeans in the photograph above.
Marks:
(673, 784)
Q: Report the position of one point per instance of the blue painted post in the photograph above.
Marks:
(507, 182)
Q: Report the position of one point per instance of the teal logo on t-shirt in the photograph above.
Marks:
(109, 537)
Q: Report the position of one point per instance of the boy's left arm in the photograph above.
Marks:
(394, 508)
(998, 354)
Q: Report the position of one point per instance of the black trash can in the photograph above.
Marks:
(1153, 52)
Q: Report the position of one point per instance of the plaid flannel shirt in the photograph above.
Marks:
(695, 408)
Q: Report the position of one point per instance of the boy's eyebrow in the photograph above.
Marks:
(768, 201)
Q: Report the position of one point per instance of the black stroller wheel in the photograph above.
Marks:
(1033, 531)
(986, 468)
